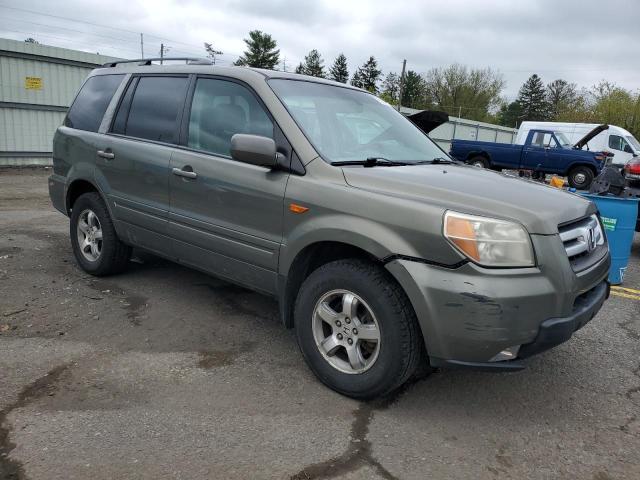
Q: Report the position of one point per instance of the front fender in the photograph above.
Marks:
(374, 238)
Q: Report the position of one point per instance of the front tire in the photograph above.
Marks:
(581, 177)
(94, 240)
(356, 329)
(480, 162)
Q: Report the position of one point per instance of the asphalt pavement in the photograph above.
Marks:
(164, 372)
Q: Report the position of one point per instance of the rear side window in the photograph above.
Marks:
(89, 106)
(219, 110)
(155, 109)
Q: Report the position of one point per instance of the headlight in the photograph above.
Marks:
(489, 241)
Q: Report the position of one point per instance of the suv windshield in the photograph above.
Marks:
(349, 125)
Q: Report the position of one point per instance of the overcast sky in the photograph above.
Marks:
(582, 41)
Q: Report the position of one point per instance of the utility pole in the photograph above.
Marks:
(161, 52)
(141, 46)
(284, 64)
(404, 66)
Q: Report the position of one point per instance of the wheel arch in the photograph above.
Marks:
(78, 187)
(479, 153)
(307, 260)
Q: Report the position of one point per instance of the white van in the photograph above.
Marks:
(614, 139)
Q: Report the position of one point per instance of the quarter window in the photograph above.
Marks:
(219, 110)
(155, 109)
(89, 106)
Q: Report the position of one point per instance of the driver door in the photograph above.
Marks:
(225, 216)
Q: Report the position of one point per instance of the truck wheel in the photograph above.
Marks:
(580, 177)
(96, 246)
(479, 161)
(356, 329)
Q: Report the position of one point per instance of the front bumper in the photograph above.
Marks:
(470, 314)
(552, 332)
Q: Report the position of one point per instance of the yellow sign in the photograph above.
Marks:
(33, 83)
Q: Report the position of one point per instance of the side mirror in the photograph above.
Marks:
(254, 149)
(628, 149)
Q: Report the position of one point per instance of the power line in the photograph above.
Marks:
(107, 27)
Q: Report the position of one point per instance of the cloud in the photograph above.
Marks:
(580, 41)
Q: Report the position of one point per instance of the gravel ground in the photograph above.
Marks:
(164, 372)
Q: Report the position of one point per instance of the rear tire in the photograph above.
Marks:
(480, 162)
(94, 240)
(581, 177)
(381, 308)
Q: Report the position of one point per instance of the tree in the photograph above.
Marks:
(339, 71)
(414, 91)
(31, 40)
(367, 76)
(261, 51)
(390, 88)
(211, 52)
(561, 95)
(510, 114)
(456, 88)
(313, 65)
(533, 99)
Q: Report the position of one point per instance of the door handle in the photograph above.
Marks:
(184, 173)
(106, 154)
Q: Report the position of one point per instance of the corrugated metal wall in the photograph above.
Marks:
(59, 82)
(37, 85)
(28, 130)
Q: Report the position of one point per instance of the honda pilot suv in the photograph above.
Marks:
(386, 256)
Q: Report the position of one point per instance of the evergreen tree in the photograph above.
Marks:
(413, 91)
(339, 71)
(356, 79)
(532, 99)
(561, 96)
(212, 52)
(391, 87)
(261, 51)
(510, 114)
(370, 75)
(313, 65)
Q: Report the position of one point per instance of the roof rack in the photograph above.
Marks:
(147, 61)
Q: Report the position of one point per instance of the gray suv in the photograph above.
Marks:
(386, 256)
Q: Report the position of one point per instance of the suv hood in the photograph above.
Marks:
(473, 190)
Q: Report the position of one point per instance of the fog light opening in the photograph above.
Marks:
(506, 354)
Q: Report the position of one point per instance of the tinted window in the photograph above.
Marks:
(89, 106)
(221, 109)
(155, 108)
(120, 121)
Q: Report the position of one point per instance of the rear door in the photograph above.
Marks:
(134, 158)
(225, 216)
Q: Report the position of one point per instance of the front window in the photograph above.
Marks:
(349, 125)
(617, 142)
(562, 139)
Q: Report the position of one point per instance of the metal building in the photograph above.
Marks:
(37, 85)
(464, 129)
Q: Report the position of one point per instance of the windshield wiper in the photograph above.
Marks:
(372, 162)
(437, 161)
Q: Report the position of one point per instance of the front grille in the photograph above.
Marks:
(583, 241)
